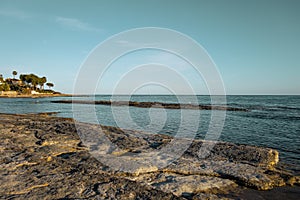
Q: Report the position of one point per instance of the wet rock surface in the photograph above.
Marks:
(43, 157)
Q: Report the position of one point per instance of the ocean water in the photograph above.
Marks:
(272, 121)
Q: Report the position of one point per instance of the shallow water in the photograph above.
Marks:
(272, 121)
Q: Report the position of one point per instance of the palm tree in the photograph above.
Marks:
(14, 73)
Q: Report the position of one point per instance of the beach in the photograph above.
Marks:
(44, 157)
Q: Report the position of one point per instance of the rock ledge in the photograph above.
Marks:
(42, 157)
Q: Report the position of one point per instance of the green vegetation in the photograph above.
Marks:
(33, 81)
(27, 84)
(4, 87)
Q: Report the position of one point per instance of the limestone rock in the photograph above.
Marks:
(44, 157)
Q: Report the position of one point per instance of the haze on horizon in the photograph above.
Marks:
(255, 44)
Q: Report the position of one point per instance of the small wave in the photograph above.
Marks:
(274, 108)
(264, 107)
(271, 116)
(287, 108)
(293, 151)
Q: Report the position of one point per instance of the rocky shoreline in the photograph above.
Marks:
(43, 157)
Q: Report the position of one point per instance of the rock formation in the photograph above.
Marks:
(45, 157)
(154, 105)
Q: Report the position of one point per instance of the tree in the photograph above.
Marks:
(4, 87)
(50, 85)
(32, 80)
(14, 73)
(23, 77)
(42, 81)
(1, 78)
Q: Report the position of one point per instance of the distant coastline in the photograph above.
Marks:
(28, 85)
(35, 95)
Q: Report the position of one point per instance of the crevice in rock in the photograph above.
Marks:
(95, 188)
(65, 155)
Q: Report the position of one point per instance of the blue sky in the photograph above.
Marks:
(255, 44)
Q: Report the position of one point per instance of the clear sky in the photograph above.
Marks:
(255, 44)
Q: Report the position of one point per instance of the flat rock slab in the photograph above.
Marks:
(186, 185)
(44, 157)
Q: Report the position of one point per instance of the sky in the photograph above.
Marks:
(254, 45)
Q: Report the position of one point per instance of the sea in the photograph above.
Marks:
(271, 121)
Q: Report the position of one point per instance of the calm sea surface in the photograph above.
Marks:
(272, 121)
